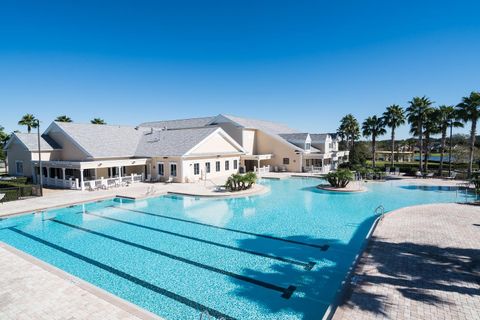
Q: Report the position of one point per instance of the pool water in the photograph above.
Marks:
(281, 255)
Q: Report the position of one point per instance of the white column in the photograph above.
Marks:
(48, 176)
(63, 177)
(120, 174)
(82, 187)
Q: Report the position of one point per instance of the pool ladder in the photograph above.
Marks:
(380, 210)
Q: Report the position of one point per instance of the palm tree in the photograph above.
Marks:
(375, 127)
(28, 120)
(431, 127)
(469, 110)
(393, 118)
(97, 121)
(63, 118)
(417, 113)
(349, 129)
(447, 118)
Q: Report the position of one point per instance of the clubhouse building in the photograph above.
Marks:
(88, 156)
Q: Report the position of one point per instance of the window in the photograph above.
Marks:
(196, 169)
(286, 160)
(207, 167)
(173, 169)
(307, 146)
(161, 169)
(235, 164)
(19, 167)
(227, 165)
(217, 166)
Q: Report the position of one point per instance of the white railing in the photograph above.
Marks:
(262, 170)
(112, 182)
(317, 170)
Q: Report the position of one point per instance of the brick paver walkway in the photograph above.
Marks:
(30, 292)
(422, 263)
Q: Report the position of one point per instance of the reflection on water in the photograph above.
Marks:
(430, 188)
(207, 211)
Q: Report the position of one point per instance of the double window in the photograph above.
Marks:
(217, 166)
(207, 167)
(286, 160)
(196, 169)
(227, 165)
(161, 169)
(307, 146)
(173, 169)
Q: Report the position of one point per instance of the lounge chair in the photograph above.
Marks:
(284, 169)
(452, 176)
(397, 171)
(430, 175)
(2, 195)
(419, 174)
(387, 170)
(169, 180)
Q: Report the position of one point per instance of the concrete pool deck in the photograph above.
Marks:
(422, 262)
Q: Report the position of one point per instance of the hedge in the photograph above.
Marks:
(14, 190)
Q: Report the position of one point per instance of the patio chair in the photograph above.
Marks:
(284, 169)
(91, 186)
(452, 176)
(418, 174)
(2, 195)
(397, 171)
(430, 175)
(169, 180)
(387, 170)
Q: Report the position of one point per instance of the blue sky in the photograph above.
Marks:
(306, 63)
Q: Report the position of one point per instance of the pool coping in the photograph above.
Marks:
(100, 293)
(332, 308)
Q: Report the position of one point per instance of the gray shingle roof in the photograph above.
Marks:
(179, 123)
(30, 140)
(294, 136)
(162, 143)
(319, 137)
(104, 141)
(267, 126)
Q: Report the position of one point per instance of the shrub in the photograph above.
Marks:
(238, 182)
(340, 178)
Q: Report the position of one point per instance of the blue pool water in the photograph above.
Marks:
(281, 255)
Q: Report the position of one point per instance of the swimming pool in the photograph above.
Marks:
(281, 255)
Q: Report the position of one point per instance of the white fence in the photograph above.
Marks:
(112, 182)
(261, 170)
(317, 170)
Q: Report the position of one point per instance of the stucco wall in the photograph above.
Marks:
(69, 150)
(248, 138)
(188, 173)
(18, 152)
(267, 144)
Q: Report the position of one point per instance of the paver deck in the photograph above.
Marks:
(30, 290)
(422, 262)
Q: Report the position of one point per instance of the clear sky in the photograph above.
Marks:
(306, 63)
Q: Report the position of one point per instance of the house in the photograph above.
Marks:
(80, 156)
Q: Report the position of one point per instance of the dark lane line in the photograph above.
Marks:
(126, 276)
(286, 292)
(305, 265)
(322, 247)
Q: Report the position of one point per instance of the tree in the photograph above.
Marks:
(63, 118)
(469, 110)
(3, 141)
(97, 121)
(374, 127)
(417, 112)
(393, 118)
(349, 129)
(28, 120)
(447, 118)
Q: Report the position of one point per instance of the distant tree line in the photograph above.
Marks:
(425, 120)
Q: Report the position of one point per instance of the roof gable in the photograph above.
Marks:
(101, 141)
(179, 123)
(30, 142)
